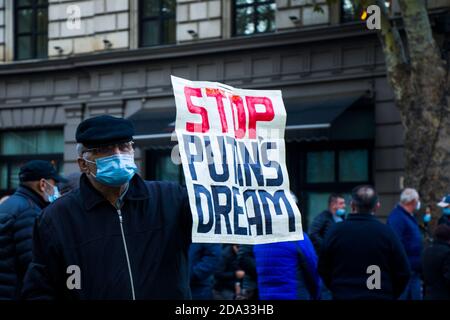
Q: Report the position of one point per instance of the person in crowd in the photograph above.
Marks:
(204, 259)
(436, 265)
(425, 227)
(322, 222)
(445, 205)
(229, 275)
(362, 258)
(287, 270)
(117, 236)
(37, 189)
(72, 183)
(405, 226)
(246, 262)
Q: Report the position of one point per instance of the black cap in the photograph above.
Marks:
(104, 130)
(39, 169)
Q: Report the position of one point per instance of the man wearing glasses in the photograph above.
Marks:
(117, 236)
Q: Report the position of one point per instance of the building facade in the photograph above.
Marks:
(62, 61)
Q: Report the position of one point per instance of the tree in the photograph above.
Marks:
(419, 77)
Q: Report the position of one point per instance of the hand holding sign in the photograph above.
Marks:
(231, 144)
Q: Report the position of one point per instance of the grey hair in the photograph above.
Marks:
(81, 149)
(408, 195)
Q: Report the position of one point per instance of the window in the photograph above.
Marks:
(159, 166)
(157, 23)
(254, 16)
(318, 169)
(337, 170)
(18, 147)
(353, 165)
(166, 170)
(30, 29)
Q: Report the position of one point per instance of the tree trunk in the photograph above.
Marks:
(421, 87)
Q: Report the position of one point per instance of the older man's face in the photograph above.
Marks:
(109, 150)
(102, 152)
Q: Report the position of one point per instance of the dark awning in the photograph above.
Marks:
(154, 128)
(328, 117)
(324, 117)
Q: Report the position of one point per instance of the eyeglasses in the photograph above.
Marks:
(124, 147)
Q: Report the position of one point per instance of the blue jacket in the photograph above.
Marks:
(287, 270)
(17, 216)
(407, 230)
(204, 259)
(83, 229)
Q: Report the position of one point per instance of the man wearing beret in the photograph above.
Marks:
(18, 213)
(116, 236)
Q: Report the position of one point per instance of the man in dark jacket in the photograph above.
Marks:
(436, 265)
(246, 262)
(117, 236)
(17, 216)
(404, 224)
(322, 223)
(362, 258)
(229, 275)
(204, 259)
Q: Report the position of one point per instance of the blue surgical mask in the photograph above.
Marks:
(446, 211)
(55, 195)
(115, 170)
(340, 212)
(427, 218)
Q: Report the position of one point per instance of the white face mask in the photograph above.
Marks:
(418, 206)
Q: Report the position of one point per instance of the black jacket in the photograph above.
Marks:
(204, 259)
(246, 262)
(82, 229)
(17, 216)
(319, 228)
(225, 277)
(444, 219)
(351, 247)
(436, 271)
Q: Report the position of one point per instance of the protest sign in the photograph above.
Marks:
(232, 149)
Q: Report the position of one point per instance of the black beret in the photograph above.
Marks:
(35, 170)
(104, 130)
